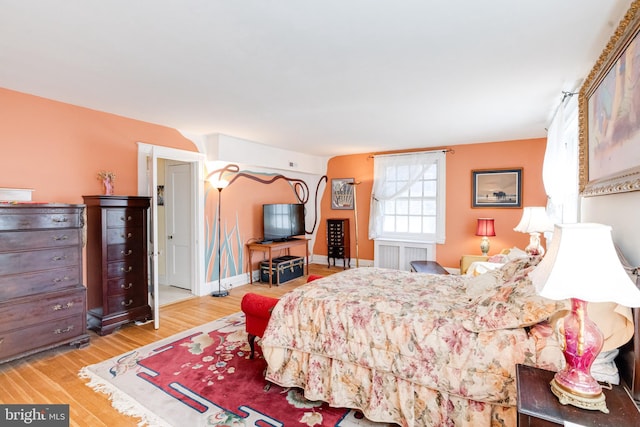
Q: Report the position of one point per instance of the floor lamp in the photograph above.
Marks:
(220, 185)
(355, 219)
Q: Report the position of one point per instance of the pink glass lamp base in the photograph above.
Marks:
(574, 385)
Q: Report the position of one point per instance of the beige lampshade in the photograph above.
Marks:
(582, 263)
(534, 219)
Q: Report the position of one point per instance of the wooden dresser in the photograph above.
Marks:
(42, 298)
(117, 289)
(338, 245)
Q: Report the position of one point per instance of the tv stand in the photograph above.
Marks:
(269, 248)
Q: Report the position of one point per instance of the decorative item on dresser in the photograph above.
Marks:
(338, 245)
(116, 261)
(42, 299)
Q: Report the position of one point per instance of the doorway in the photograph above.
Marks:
(150, 160)
(175, 231)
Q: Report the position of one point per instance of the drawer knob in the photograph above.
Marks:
(126, 270)
(129, 252)
(128, 218)
(58, 238)
(1, 340)
(127, 286)
(128, 235)
(127, 303)
(58, 258)
(58, 279)
(63, 331)
(63, 219)
(63, 307)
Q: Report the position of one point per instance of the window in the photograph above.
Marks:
(560, 167)
(408, 197)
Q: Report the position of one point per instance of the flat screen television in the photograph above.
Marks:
(282, 221)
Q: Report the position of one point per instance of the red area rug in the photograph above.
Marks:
(204, 377)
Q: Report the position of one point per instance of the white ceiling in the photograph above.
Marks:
(323, 77)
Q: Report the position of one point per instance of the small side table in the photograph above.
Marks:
(539, 407)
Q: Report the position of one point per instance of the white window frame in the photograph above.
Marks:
(426, 159)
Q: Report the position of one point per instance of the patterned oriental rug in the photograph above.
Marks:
(204, 377)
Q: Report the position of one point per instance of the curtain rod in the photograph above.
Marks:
(446, 150)
(565, 95)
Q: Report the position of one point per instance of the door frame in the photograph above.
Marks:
(147, 183)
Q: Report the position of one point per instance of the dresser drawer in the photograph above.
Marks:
(125, 302)
(126, 251)
(20, 285)
(45, 259)
(129, 270)
(32, 219)
(41, 335)
(125, 285)
(22, 240)
(336, 251)
(123, 217)
(22, 312)
(116, 236)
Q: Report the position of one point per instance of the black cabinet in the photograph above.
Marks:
(338, 246)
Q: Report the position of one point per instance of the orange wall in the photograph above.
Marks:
(461, 217)
(58, 149)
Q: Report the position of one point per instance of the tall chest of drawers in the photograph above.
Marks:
(117, 262)
(338, 245)
(42, 298)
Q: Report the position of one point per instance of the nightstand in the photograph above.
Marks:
(538, 407)
(467, 260)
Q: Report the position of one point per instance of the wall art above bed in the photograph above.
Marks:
(609, 102)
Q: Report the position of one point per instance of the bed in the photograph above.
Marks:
(414, 349)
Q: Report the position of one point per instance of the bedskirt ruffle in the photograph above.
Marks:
(380, 396)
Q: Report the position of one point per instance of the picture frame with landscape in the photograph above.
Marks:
(496, 188)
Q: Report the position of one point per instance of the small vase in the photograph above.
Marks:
(108, 186)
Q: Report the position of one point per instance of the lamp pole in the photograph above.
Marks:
(220, 292)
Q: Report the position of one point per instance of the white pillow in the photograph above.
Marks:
(516, 253)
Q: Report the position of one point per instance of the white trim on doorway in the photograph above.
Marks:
(147, 174)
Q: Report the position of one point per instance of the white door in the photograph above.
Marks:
(179, 233)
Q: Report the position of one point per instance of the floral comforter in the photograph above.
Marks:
(410, 348)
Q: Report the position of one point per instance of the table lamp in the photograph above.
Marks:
(534, 221)
(582, 265)
(485, 229)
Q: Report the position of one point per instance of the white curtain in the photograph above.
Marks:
(411, 167)
(560, 168)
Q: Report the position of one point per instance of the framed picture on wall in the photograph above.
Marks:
(160, 195)
(609, 104)
(496, 188)
(342, 193)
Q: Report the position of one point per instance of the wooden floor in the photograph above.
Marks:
(52, 376)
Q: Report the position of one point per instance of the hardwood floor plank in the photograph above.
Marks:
(52, 376)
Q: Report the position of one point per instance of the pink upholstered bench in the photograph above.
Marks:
(257, 311)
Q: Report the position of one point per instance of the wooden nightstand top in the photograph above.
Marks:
(537, 402)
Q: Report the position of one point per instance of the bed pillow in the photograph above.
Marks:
(514, 303)
(516, 253)
(509, 272)
(499, 258)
